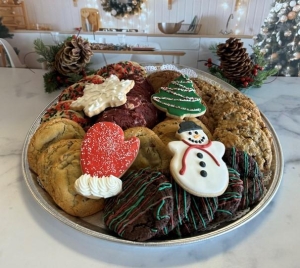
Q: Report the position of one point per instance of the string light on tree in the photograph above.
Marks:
(281, 32)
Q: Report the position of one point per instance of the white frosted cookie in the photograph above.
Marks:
(197, 164)
(97, 97)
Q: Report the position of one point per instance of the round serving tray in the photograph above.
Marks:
(94, 225)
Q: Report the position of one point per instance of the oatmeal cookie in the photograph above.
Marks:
(246, 136)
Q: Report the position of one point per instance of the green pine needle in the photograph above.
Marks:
(53, 80)
(257, 58)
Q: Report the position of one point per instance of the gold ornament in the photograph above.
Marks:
(291, 15)
(274, 57)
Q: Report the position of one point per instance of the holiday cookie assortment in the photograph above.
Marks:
(160, 155)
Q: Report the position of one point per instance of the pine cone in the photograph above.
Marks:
(73, 56)
(235, 62)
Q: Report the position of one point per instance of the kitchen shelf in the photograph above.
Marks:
(14, 16)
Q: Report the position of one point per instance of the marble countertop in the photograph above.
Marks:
(32, 237)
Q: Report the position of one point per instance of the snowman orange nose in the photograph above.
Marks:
(196, 136)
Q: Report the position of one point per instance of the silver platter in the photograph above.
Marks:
(94, 225)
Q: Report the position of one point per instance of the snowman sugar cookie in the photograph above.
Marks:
(197, 164)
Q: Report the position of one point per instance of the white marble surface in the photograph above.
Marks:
(31, 237)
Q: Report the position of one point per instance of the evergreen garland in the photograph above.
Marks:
(117, 9)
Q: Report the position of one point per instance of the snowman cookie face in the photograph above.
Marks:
(197, 163)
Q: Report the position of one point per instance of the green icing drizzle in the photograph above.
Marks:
(131, 209)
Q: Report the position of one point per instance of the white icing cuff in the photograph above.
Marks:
(95, 188)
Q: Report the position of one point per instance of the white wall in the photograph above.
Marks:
(63, 16)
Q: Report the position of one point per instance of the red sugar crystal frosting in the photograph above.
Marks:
(105, 157)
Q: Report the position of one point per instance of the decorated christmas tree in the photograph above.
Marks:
(279, 39)
(4, 31)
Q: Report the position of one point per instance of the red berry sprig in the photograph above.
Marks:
(208, 63)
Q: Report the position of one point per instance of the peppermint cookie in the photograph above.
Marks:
(143, 208)
(179, 99)
(153, 152)
(62, 110)
(49, 133)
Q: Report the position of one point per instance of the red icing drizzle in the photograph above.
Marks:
(104, 151)
(199, 147)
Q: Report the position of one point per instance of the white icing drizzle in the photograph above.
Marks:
(183, 98)
(179, 107)
(184, 88)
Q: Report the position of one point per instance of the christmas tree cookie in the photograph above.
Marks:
(179, 99)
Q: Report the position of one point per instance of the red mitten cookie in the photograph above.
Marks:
(105, 157)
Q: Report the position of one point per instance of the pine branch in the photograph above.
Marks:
(257, 58)
(46, 52)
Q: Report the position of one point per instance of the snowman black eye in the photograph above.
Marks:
(190, 133)
(196, 132)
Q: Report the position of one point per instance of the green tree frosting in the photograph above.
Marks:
(179, 99)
